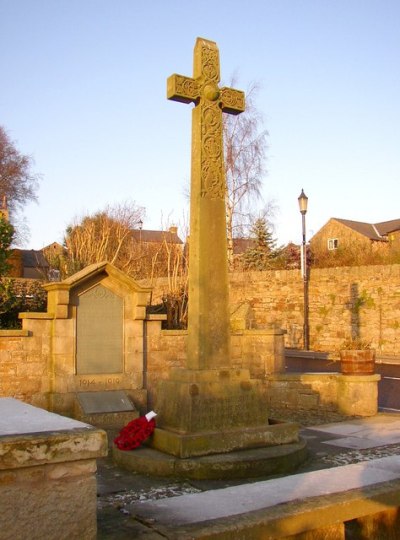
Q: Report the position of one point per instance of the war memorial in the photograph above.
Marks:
(90, 356)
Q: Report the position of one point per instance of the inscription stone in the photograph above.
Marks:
(104, 402)
(99, 334)
(108, 409)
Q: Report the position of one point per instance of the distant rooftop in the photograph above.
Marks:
(373, 231)
(170, 236)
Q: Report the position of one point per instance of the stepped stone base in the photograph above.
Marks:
(226, 440)
(254, 463)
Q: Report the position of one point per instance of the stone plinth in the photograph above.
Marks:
(358, 394)
(47, 473)
(196, 406)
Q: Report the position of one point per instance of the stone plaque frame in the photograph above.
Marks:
(67, 377)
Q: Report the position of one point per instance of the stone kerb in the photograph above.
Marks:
(47, 473)
(352, 501)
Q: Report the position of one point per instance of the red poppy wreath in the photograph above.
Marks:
(138, 430)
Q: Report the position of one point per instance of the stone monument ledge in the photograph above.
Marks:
(47, 472)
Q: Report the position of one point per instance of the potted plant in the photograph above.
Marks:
(357, 357)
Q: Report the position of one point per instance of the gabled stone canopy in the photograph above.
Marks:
(62, 294)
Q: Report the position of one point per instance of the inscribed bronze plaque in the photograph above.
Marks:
(99, 334)
(104, 402)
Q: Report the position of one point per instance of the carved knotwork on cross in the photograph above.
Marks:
(202, 89)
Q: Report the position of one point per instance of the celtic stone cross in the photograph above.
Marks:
(208, 325)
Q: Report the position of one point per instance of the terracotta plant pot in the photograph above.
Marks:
(357, 362)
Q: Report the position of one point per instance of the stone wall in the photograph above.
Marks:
(348, 395)
(32, 360)
(360, 301)
(260, 351)
(346, 301)
(24, 358)
(38, 365)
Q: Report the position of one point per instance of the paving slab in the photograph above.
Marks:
(218, 504)
(361, 434)
(119, 489)
(354, 442)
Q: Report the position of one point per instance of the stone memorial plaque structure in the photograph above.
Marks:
(208, 407)
(95, 324)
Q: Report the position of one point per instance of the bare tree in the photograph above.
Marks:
(17, 182)
(103, 236)
(245, 145)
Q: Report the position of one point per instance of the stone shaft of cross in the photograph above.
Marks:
(208, 319)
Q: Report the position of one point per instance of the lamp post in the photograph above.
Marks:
(303, 202)
(140, 225)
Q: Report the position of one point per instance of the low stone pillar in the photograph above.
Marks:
(358, 394)
(47, 473)
(261, 351)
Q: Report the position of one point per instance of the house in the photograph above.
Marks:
(156, 253)
(28, 263)
(356, 239)
(151, 248)
(149, 237)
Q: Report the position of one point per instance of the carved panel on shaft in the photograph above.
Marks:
(203, 90)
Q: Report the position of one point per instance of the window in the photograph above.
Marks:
(333, 243)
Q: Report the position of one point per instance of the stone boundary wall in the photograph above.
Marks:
(260, 351)
(24, 360)
(344, 301)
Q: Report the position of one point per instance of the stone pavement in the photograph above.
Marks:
(331, 444)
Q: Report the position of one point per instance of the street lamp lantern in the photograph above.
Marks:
(140, 224)
(303, 203)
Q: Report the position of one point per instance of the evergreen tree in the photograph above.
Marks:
(6, 237)
(260, 256)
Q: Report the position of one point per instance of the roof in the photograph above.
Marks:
(386, 227)
(32, 258)
(241, 245)
(156, 236)
(373, 231)
(97, 270)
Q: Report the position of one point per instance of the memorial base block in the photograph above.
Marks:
(223, 441)
(203, 412)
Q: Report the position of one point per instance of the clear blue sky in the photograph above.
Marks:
(84, 91)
